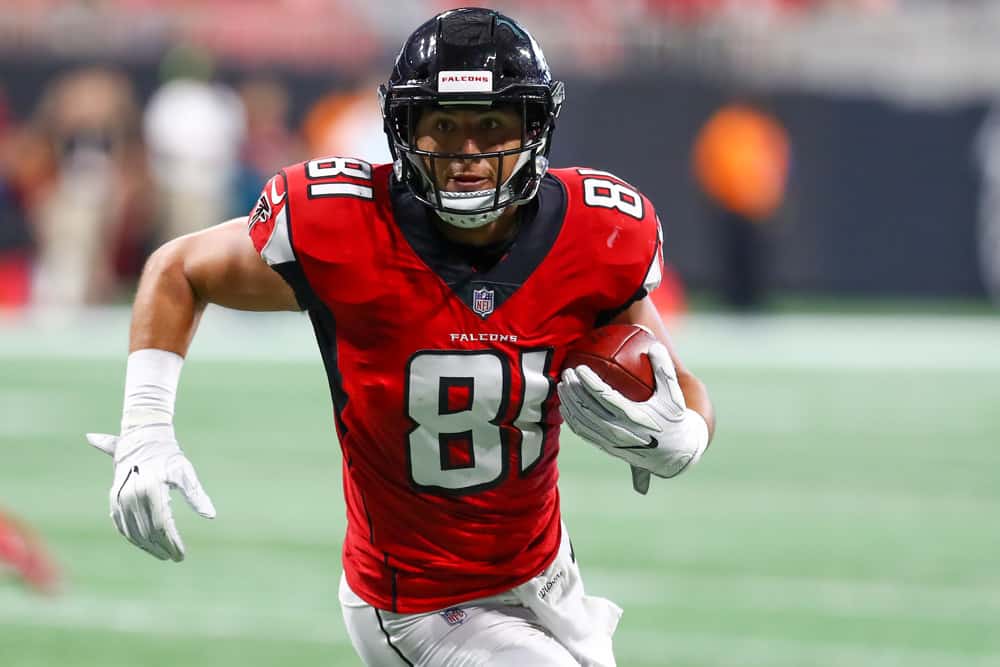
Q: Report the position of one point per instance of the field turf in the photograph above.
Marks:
(848, 512)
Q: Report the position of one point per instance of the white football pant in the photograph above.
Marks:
(547, 621)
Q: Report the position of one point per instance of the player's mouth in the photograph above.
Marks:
(468, 183)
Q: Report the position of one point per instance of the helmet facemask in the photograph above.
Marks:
(416, 167)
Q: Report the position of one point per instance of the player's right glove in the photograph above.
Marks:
(148, 464)
(148, 460)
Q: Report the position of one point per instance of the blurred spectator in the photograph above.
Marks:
(348, 123)
(15, 250)
(740, 161)
(16, 244)
(688, 10)
(194, 129)
(269, 143)
(988, 154)
(87, 176)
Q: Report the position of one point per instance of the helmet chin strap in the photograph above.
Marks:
(470, 221)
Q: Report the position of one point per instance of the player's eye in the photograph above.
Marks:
(490, 123)
(444, 125)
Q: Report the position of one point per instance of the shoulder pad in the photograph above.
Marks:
(617, 219)
(331, 199)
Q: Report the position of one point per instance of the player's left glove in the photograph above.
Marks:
(661, 435)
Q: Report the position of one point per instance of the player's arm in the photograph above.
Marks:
(218, 265)
(663, 435)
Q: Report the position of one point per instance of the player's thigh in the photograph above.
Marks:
(494, 634)
(473, 635)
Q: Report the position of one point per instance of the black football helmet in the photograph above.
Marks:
(471, 56)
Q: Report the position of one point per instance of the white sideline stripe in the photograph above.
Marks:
(242, 622)
(729, 651)
(842, 597)
(741, 498)
(172, 619)
(829, 342)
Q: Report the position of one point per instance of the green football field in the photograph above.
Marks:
(848, 512)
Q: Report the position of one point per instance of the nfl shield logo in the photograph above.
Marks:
(454, 616)
(482, 301)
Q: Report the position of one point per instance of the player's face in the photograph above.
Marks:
(463, 130)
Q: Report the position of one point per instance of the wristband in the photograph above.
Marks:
(151, 379)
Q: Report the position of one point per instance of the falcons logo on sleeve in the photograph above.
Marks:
(261, 212)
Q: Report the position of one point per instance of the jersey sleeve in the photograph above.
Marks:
(626, 234)
(651, 279)
(271, 233)
(654, 274)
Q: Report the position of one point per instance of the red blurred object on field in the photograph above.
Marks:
(15, 280)
(22, 551)
(669, 298)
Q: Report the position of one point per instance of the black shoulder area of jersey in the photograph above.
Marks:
(542, 220)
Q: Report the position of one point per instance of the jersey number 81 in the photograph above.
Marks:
(458, 401)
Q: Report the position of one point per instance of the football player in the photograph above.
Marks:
(444, 290)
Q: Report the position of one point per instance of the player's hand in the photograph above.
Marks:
(148, 464)
(660, 435)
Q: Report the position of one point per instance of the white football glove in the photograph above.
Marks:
(660, 435)
(148, 464)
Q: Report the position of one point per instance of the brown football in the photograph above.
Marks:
(618, 354)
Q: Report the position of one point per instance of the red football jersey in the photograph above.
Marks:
(443, 376)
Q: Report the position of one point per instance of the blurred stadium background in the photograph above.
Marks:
(828, 175)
